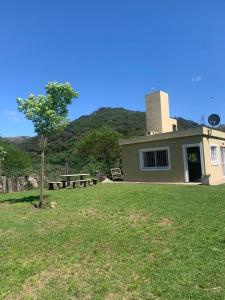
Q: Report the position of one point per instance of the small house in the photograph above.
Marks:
(167, 154)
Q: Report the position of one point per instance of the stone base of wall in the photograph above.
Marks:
(16, 184)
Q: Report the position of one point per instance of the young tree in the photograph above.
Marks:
(49, 114)
(100, 146)
(3, 153)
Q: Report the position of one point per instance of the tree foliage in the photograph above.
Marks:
(48, 112)
(100, 148)
(16, 162)
(183, 124)
(221, 127)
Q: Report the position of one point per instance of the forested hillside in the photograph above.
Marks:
(126, 122)
(62, 147)
(13, 161)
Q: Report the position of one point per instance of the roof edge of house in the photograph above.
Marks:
(202, 131)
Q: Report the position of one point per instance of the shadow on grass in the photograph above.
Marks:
(34, 200)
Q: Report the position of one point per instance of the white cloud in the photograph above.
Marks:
(12, 115)
(197, 78)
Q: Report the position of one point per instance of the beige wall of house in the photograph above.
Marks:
(131, 160)
(214, 169)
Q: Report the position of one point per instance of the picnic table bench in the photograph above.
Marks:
(53, 185)
(64, 183)
(81, 182)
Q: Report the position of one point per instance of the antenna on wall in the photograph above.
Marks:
(202, 121)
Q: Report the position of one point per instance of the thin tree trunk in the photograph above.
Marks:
(42, 173)
(108, 163)
(66, 168)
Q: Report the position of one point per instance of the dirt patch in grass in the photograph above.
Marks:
(80, 273)
(157, 241)
(8, 232)
(111, 296)
(131, 294)
(215, 290)
(4, 204)
(35, 284)
(151, 257)
(91, 213)
(127, 295)
(165, 222)
(137, 219)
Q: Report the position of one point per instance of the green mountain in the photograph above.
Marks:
(126, 122)
(62, 147)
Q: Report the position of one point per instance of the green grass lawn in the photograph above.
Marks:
(114, 241)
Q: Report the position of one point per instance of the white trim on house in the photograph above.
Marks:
(222, 160)
(215, 162)
(184, 147)
(142, 168)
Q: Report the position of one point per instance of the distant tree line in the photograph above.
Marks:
(16, 162)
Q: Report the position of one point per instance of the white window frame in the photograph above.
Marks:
(215, 162)
(222, 163)
(142, 168)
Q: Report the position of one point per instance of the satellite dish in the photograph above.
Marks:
(214, 120)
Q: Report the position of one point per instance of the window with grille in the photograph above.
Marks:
(214, 155)
(155, 159)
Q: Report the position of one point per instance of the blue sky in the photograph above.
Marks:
(113, 53)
